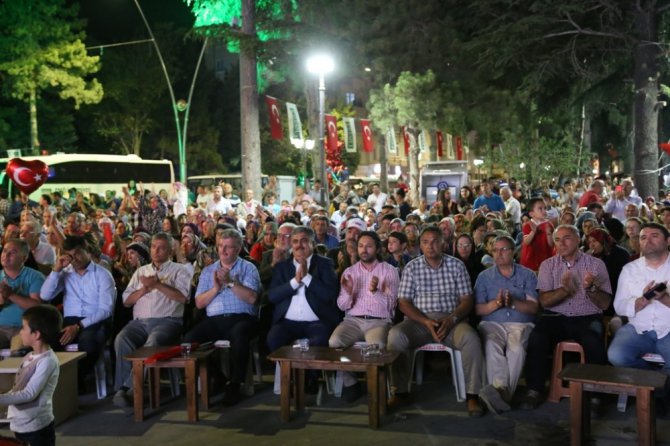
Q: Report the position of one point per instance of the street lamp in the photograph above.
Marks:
(478, 163)
(321, 65)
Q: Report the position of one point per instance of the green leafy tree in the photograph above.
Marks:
(41, 49)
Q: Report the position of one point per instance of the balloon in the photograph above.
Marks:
(665, 147)
(28, 176)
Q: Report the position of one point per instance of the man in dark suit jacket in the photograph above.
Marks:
(304, 291)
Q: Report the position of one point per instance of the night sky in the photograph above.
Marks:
(112, 21)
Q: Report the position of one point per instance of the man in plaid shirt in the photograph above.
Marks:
(435, 295)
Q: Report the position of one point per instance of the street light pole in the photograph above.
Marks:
(321, 65)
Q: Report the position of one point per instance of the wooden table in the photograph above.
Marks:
(66, 394)
(325, 358)
(614, 380)
(194, 364)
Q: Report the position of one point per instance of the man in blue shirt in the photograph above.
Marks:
(88, 300)
(19, 288)
(489, 201)
(506, 297)
(229, 290)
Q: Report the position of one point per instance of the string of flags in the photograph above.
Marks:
(452, 144)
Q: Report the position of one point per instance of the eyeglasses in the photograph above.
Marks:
(464, 245)
(501, 250)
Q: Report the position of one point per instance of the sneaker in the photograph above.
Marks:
(475, 409)
(122, 399)
(493, 400)
(352, 393)
(231, 395)
(531, 400)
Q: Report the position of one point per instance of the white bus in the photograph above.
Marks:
(93, 173)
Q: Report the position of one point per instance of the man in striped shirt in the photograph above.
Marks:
(157, 292)
(368, 295)
(574, 290)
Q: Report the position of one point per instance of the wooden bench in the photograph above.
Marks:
(614, 380)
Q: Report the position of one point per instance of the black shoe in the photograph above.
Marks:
(531, 400)
(312, 386)
(352, 393)
(231, 395)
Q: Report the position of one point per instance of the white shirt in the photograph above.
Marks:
(513, 209)
(299, 309)
(377, 201)
(222, 206)
(634, 277)
(44, 253)
(155, 304)
(203, 198)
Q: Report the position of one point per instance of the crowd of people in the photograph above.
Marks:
(496, 271)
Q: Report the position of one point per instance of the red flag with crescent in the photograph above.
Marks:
(331, 133)
(366, 129)
(459, 148)
(275, 118)
(406, 139)
(440, 141)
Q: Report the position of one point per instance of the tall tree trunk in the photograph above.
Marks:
(34, 140)
(250, 135)
(384, 168)
(645, 57)
(413, 165)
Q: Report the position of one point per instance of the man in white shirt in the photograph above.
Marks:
(157, 292)
(646, 306)
(377, 199)
(218, 203)
(512, 207)
(620, 199)
(43, 253)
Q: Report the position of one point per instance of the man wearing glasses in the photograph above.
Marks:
(506, 297)
(574, 290)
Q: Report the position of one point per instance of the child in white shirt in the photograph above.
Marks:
(30, 409)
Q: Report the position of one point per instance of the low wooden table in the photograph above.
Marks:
(193, 364)
(66, 394)
(325, 358)
(614, 380)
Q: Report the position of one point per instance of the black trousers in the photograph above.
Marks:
(553, 328)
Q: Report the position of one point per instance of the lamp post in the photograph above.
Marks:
(322, 65)
(478, 163)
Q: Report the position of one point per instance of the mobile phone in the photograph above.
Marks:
(658, 288)
(618, 188)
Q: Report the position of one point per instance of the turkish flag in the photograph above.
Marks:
(405, 137)
(440, 140)
(459, 148)
(331, 133)
(275, 118)
(366, 129)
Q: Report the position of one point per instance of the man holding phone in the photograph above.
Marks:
(643, 297)
(621, 198)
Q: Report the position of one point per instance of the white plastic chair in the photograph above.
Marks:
(456, 367)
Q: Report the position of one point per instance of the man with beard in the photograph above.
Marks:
(368, 296)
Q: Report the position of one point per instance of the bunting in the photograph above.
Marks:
(294, 124)
(275, 118)
(450, 147)
(366, 130)
(440, 142)
(406, 137)
(459, 148)
(349, 134)
(391, 144)
(331, 132)
(423, 145)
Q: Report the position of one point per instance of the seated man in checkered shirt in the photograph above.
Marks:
(157, 292)
(229, 291)
(435, 295)
(368, 296)
(574, 291)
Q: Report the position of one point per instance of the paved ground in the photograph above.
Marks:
(434, 419)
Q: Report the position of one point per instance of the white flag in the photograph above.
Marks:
(423, 145)
(294, 124)
(349, 134)
(450, 147)
(391, 145)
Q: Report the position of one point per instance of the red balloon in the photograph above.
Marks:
(28, 176)
(665, 147)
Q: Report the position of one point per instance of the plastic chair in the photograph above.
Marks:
(557, 390)
(457, 373)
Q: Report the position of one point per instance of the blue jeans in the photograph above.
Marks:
(628, 346)
(150, 332)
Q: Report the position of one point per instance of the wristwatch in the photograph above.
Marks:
(593, 288)
(230, 284)
(454, 318)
